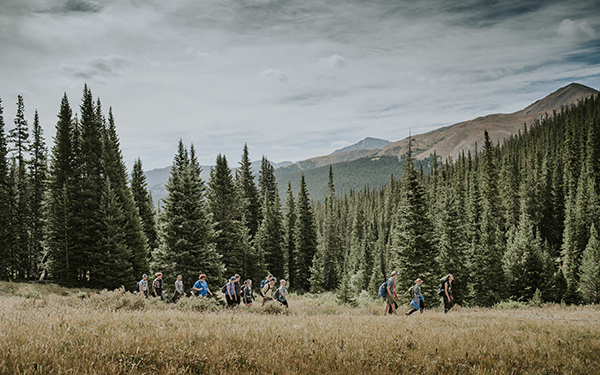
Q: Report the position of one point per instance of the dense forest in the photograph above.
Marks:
(513, 220)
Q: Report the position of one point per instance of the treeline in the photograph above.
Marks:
(517, 220)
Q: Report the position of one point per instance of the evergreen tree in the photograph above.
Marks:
(87, 211)
(143, 202)
(62, 185)
(116, 172)
(224, 205)
(38, 172)
(589, 270)
(249, 195)
(186, 230)
(289, 237)
(413, 251)
(19, 136)
(306, 237)
(114, 268)
(6, 205)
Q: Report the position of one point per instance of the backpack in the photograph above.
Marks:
(383, 290)
(441, 290)
(224, 288)
(242, 289)
(276, 294)
(137, 287)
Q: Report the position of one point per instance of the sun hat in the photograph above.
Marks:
(232, 278)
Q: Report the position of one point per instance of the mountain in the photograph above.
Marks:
(366, 143)
(454, 139)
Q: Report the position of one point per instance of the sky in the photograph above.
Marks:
(292, 79)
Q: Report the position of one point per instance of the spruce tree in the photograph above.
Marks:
(38, 172)
(143, 202)
(6, 204)
(249, 195)
(306, 237)
(19, 137)
(289, 237)
(114, 268)
(186, 230)
(224, 205)
(90, 162)
(62, 184)
(413, 252)
(131, 225)
(589, 270)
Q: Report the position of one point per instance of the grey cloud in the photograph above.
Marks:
(96, 68)
(576, 29)
(82, 6)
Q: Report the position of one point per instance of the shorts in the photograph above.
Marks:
(389, 299)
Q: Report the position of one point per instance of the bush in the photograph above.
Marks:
(117, 299)
(198, 304)
(273, 308)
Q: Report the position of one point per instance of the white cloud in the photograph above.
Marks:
(340, 144)
(275, 75)
(576, 29)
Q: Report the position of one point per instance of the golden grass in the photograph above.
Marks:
(60, 334)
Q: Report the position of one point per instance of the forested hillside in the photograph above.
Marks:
(514, 220)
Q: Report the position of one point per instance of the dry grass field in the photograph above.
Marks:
(50, 330)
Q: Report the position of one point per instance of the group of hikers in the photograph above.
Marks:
(235, 293)
(417, 303)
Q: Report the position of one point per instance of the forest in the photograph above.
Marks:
(513, 220)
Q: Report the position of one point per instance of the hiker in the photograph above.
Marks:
(157, 286)
(418, 302)
(391, 293)
(230, 292)
(267, 290)
(143, 285)
(281, 293)
(247, 295)
(178, 289)
(238, 290)
(447, 292)
(201, 287)
(262, 284)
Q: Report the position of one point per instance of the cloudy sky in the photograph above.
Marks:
(292, 78)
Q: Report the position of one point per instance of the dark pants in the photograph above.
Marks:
(421, 306)
(159, 293)
(283, 301)
(231, 302)
(176, 296)
(448, 304)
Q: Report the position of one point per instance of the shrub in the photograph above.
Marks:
(117, 299)
(198, 304)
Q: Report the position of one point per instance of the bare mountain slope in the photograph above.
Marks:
(454, 139)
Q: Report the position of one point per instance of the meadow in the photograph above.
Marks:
(51, 330)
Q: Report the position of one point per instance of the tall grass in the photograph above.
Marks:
(116, 333)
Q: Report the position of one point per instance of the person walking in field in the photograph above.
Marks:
(418, 301)
(200, 288)
(238, 290)
(179, 292)
(447, 292)
(281, 293)
(262, 284)
(143, 286)
(247, 295)
(267, 291)
(157, 286)
(230, 293)
(391, 293)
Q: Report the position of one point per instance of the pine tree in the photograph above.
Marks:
(413, 251)
(143, 202)
(6, 205)
(306, 237)
(87, 211)
(62, 185)
(114, 268)
(38, 172)
(186, 230)
(589, 270)
(224, 205)
(116, 172)
(19, 136)
(249, 195)
(289, 237)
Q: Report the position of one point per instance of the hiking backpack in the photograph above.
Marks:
(383, 290)
(224, 288)
(441, 290)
